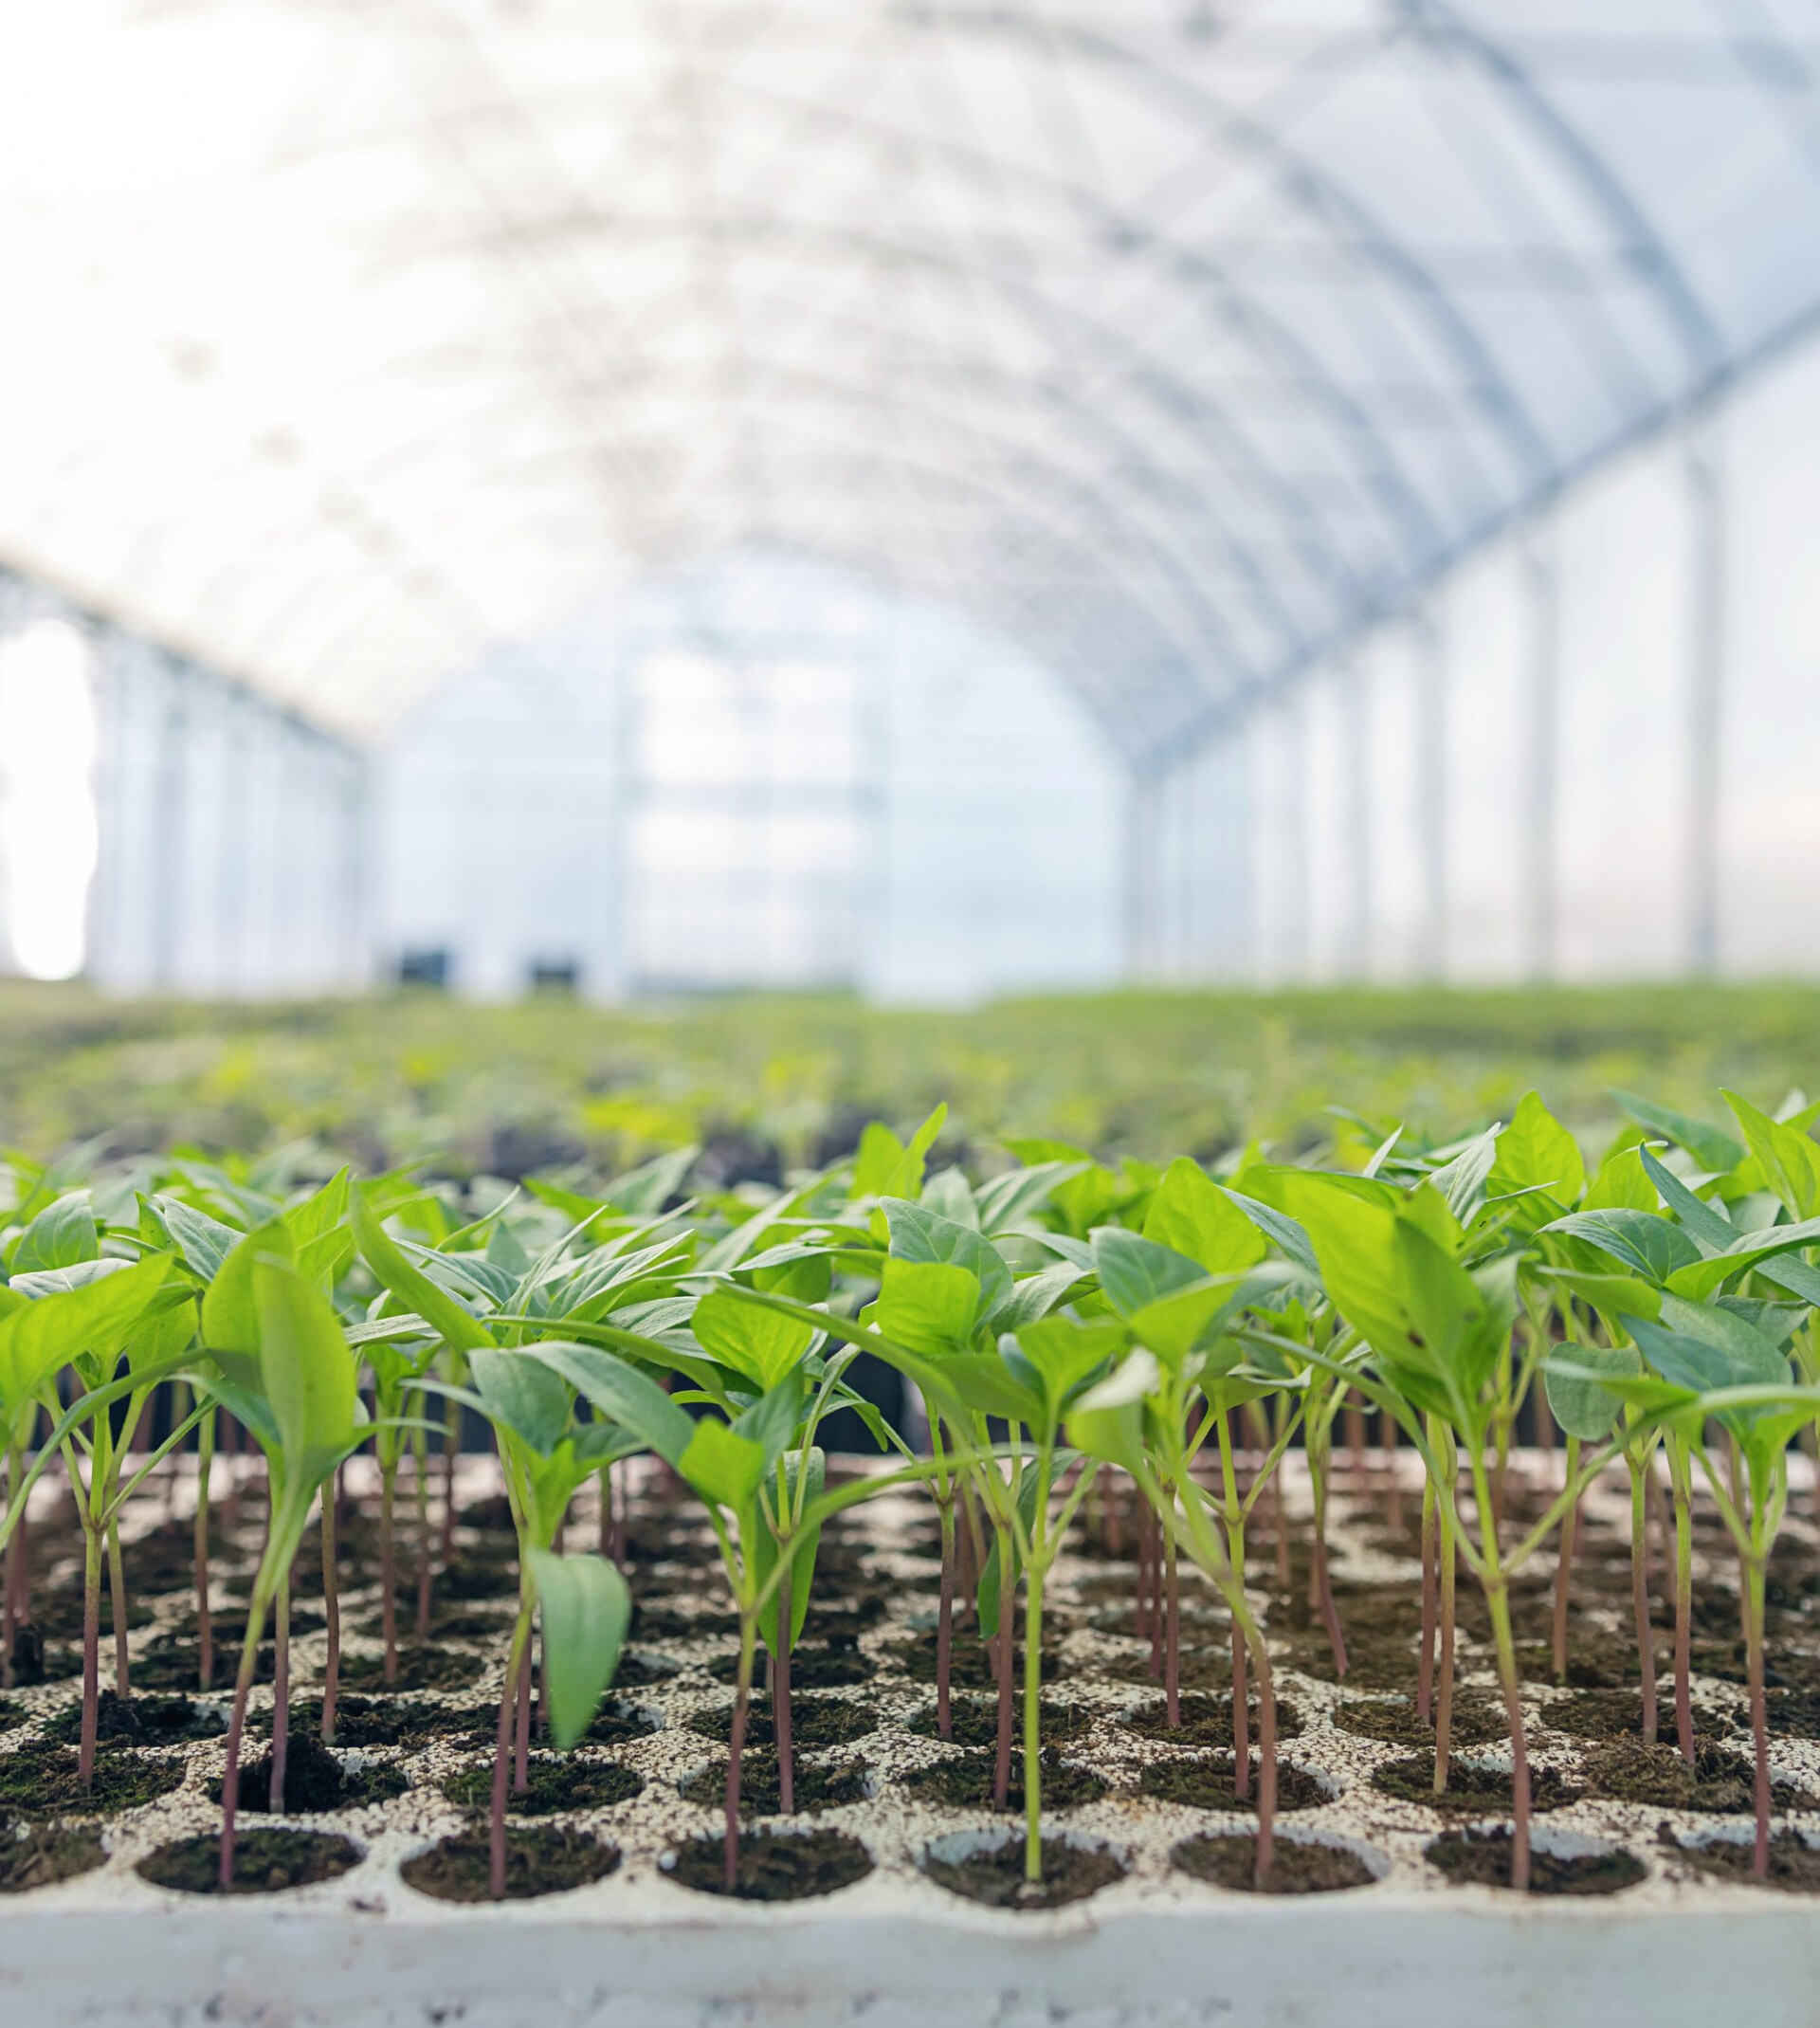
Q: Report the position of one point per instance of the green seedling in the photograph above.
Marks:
(286, 1370)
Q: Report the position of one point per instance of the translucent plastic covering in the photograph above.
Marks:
(1173, 338)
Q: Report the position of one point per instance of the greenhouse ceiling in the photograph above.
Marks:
(1174, 342)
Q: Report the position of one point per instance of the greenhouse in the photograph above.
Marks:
(909, 1012)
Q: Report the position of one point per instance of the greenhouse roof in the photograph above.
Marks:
(1174, 339)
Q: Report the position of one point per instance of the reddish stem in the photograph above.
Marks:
(503, 1755)
(521, 1757)
(780, 1704)
(1425, 1664)
(945, 1625)
(1640, 1598)
(1563, 1581)
(91, 1655)
(388, 1572)
(331, 1613)
(1172, 1643)
(281, 1698)
(426, 1538)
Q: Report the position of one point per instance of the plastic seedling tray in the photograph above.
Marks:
(1405, 1947)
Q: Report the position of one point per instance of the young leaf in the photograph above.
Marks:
(1193, 1216)
(926, 1306)
(61, 1235)
(1581, 1406)
(722, 1465)
(755, 1341)
(586, 1609)
(1710, 1146)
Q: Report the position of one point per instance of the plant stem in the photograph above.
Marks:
(91, 1650)
(1500, 1604)
(1173, 1638)
(1683, 1602)
(1424, 1663)
(331, 1612)
(1564, 1568)
(737, 1744)
(1002, 1663)
(1032, 1715)
(946, 1624)
(451, 1451)
(1640, 1592)
(280, 1694)
(1444, 1689)
(781, 1703)
(503, 1750)
(204, 1490)
(9, 1609)
(388, 1574)
(425, 1559)
(236, 1728)
(521, 1753)
(1760, 1717)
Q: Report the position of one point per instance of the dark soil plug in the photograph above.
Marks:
(540, 1860)
(760, 1793)
(1206, 1783)
(1482, 1859)
(964, 1782)
(995, 1875)
(265, 1862)
(1229, 1859)
(40, 1780)
(1472, 1790)
(554, 1784)
(773, 1865)
(33, 1855)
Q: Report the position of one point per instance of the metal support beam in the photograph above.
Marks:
(1429, 647)
(1539, 825)
(1705, 688)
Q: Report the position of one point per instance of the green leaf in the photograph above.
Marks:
(1582, 1407)
(722, 1465)
(621, 1393)
(1135, 1272)
(751, 1338)
(456, 1327)
(641, 1193)
(773, 1420)
(39, 1338)
(204, 1242)
(1007, 1201)
(1621, 1184)
(927, 1307)
(1537, 1153)
(522, 1393)
(920, 1235)
(586, 1609)
(1644, 1241)
(1036, 1295)
(1108, 1421)
(1190, 1214)
(307, 1371)
(61, 1235)
(1789, 1157)
(1710, 1146)
(767, 1548)
(1064, 1352)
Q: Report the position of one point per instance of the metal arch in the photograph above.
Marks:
(1401, 497)
(1683, 309)
(1302, 181)
(1187, 512)
(1183, 398)
(1072, 544)
(1239, 314)
(1021, 460)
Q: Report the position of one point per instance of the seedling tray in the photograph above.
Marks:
(1663, 1936)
